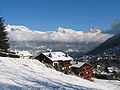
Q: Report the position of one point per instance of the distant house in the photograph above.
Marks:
(113, 69)
(59, 60)
(23, 54)
(83, 70)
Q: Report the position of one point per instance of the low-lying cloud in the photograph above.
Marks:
(114, 27)
(57, 36)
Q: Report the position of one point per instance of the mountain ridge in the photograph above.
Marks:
(62, 39)
(17, 32)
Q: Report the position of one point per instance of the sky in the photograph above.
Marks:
(47, 15)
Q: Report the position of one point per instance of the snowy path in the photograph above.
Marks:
(26, 74)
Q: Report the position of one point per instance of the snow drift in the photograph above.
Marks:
(26, 74)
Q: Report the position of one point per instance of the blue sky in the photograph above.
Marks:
(46, 15)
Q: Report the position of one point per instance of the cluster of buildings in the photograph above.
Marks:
(61, 62)
(64, 63)
(80, 66)
(106, 64)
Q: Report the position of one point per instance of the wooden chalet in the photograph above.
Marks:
(59, 60)
(83, 70)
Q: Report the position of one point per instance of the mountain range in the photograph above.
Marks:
(22, 33)
(67, 40)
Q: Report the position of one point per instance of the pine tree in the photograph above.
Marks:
(4, 45)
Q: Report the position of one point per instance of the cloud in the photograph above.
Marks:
(114, 27)
(22, 33)
(57, 36)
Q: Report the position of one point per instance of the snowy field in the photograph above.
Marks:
(27, 74)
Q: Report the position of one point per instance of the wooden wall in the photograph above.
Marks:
(85, 71)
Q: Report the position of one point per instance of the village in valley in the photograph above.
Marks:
(60, 45)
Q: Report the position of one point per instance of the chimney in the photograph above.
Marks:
(50, 55)
(66, 55)
(76, 62)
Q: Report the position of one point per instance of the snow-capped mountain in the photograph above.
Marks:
(94, 31)
(62, 39)
(17, 28)
(22, 33)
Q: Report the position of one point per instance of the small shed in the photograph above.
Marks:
(83, 69)
(59, 60)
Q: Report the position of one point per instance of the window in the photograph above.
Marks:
(81, 74)
(87, 68)
(61, 63)
(55, 64)
(83, 69)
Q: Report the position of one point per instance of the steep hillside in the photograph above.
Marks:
(110, 43)
(24, 74)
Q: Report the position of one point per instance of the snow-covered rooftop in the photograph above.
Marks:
(111, 69)
(23, 53)
(78, 65)
(58, 56)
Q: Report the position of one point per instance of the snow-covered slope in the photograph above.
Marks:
(21, 33)
(26, 74)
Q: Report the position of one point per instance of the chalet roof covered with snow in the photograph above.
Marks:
(56, 56)
(79, 64)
